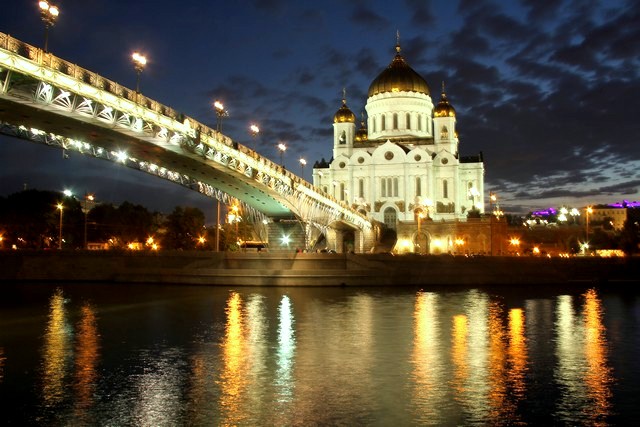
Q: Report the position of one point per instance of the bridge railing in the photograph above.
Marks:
(51, 61)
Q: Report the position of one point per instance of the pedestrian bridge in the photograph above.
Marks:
(48, 100)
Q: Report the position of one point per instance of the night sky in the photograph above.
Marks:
(548, 90)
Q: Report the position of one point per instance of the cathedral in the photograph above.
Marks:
(401, 167)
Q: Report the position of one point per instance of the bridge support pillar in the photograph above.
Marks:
(335, 240)
(344, 240)
(365, 240)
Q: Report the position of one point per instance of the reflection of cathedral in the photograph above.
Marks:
(403, 166)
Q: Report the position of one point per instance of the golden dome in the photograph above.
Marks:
(361, 134)
(444, 109)
(398, 77)
(344, 114)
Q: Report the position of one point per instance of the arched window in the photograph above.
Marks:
(325, 189)
(395, 121)
(408, 121)
(383, 123)
(419, 122)
(390, 218)
(343, 137)
(445, 189)
(342, 192)
(383, 187)
(361, 187)
(374, 121)
(395, 187)
(444, 133)
(418, 186)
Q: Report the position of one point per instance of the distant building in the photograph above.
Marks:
(614, 215)
(404, 165)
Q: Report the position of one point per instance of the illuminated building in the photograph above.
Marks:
(403, 166)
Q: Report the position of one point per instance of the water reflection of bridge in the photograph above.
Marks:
(48, 100)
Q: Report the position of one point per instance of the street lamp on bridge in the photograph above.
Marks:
(254, 130)
(220, 114)
(282, 147)
(139, 62)
(303, 162)
(49, 14)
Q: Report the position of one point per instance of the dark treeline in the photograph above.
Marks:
(31, 219)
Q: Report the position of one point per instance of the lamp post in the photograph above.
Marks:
(88, 200)
(303, 162)
(282, 147)
(589, 211)
(254, 130)
(60, 207)
(139, 62)
(220, 114)
(49, 14)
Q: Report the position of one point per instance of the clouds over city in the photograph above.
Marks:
(547, 90)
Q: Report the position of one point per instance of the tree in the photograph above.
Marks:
(134, 223)
(30, 219)
(183, 228)
(630, 234)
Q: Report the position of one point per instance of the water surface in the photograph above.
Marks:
(180, 355)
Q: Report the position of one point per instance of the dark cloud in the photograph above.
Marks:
(628, 188)
(366, 17)
(540, 11)
(420, 11)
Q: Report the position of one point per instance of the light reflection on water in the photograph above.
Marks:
(307, 356)
(58, 351)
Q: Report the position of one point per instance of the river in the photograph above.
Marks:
(105, 354)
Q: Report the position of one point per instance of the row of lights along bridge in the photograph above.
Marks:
(49, 14)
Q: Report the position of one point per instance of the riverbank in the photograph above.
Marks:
(301, 269)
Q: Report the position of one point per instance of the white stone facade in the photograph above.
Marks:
(407, 161)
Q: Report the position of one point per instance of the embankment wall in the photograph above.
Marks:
(301, 269)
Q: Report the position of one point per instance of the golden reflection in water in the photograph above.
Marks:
(570, 358)
(518, 358)
(459, 333)
(598, 376)
(57, 350)
(476, 398)
(87, 353)
(497, 364)
(233, 380)
(427, 372)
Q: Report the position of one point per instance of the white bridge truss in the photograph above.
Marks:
(39, 80)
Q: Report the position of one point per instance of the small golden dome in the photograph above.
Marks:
(398, 77)
(361, 134)
(444, 108)
(344, 114)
